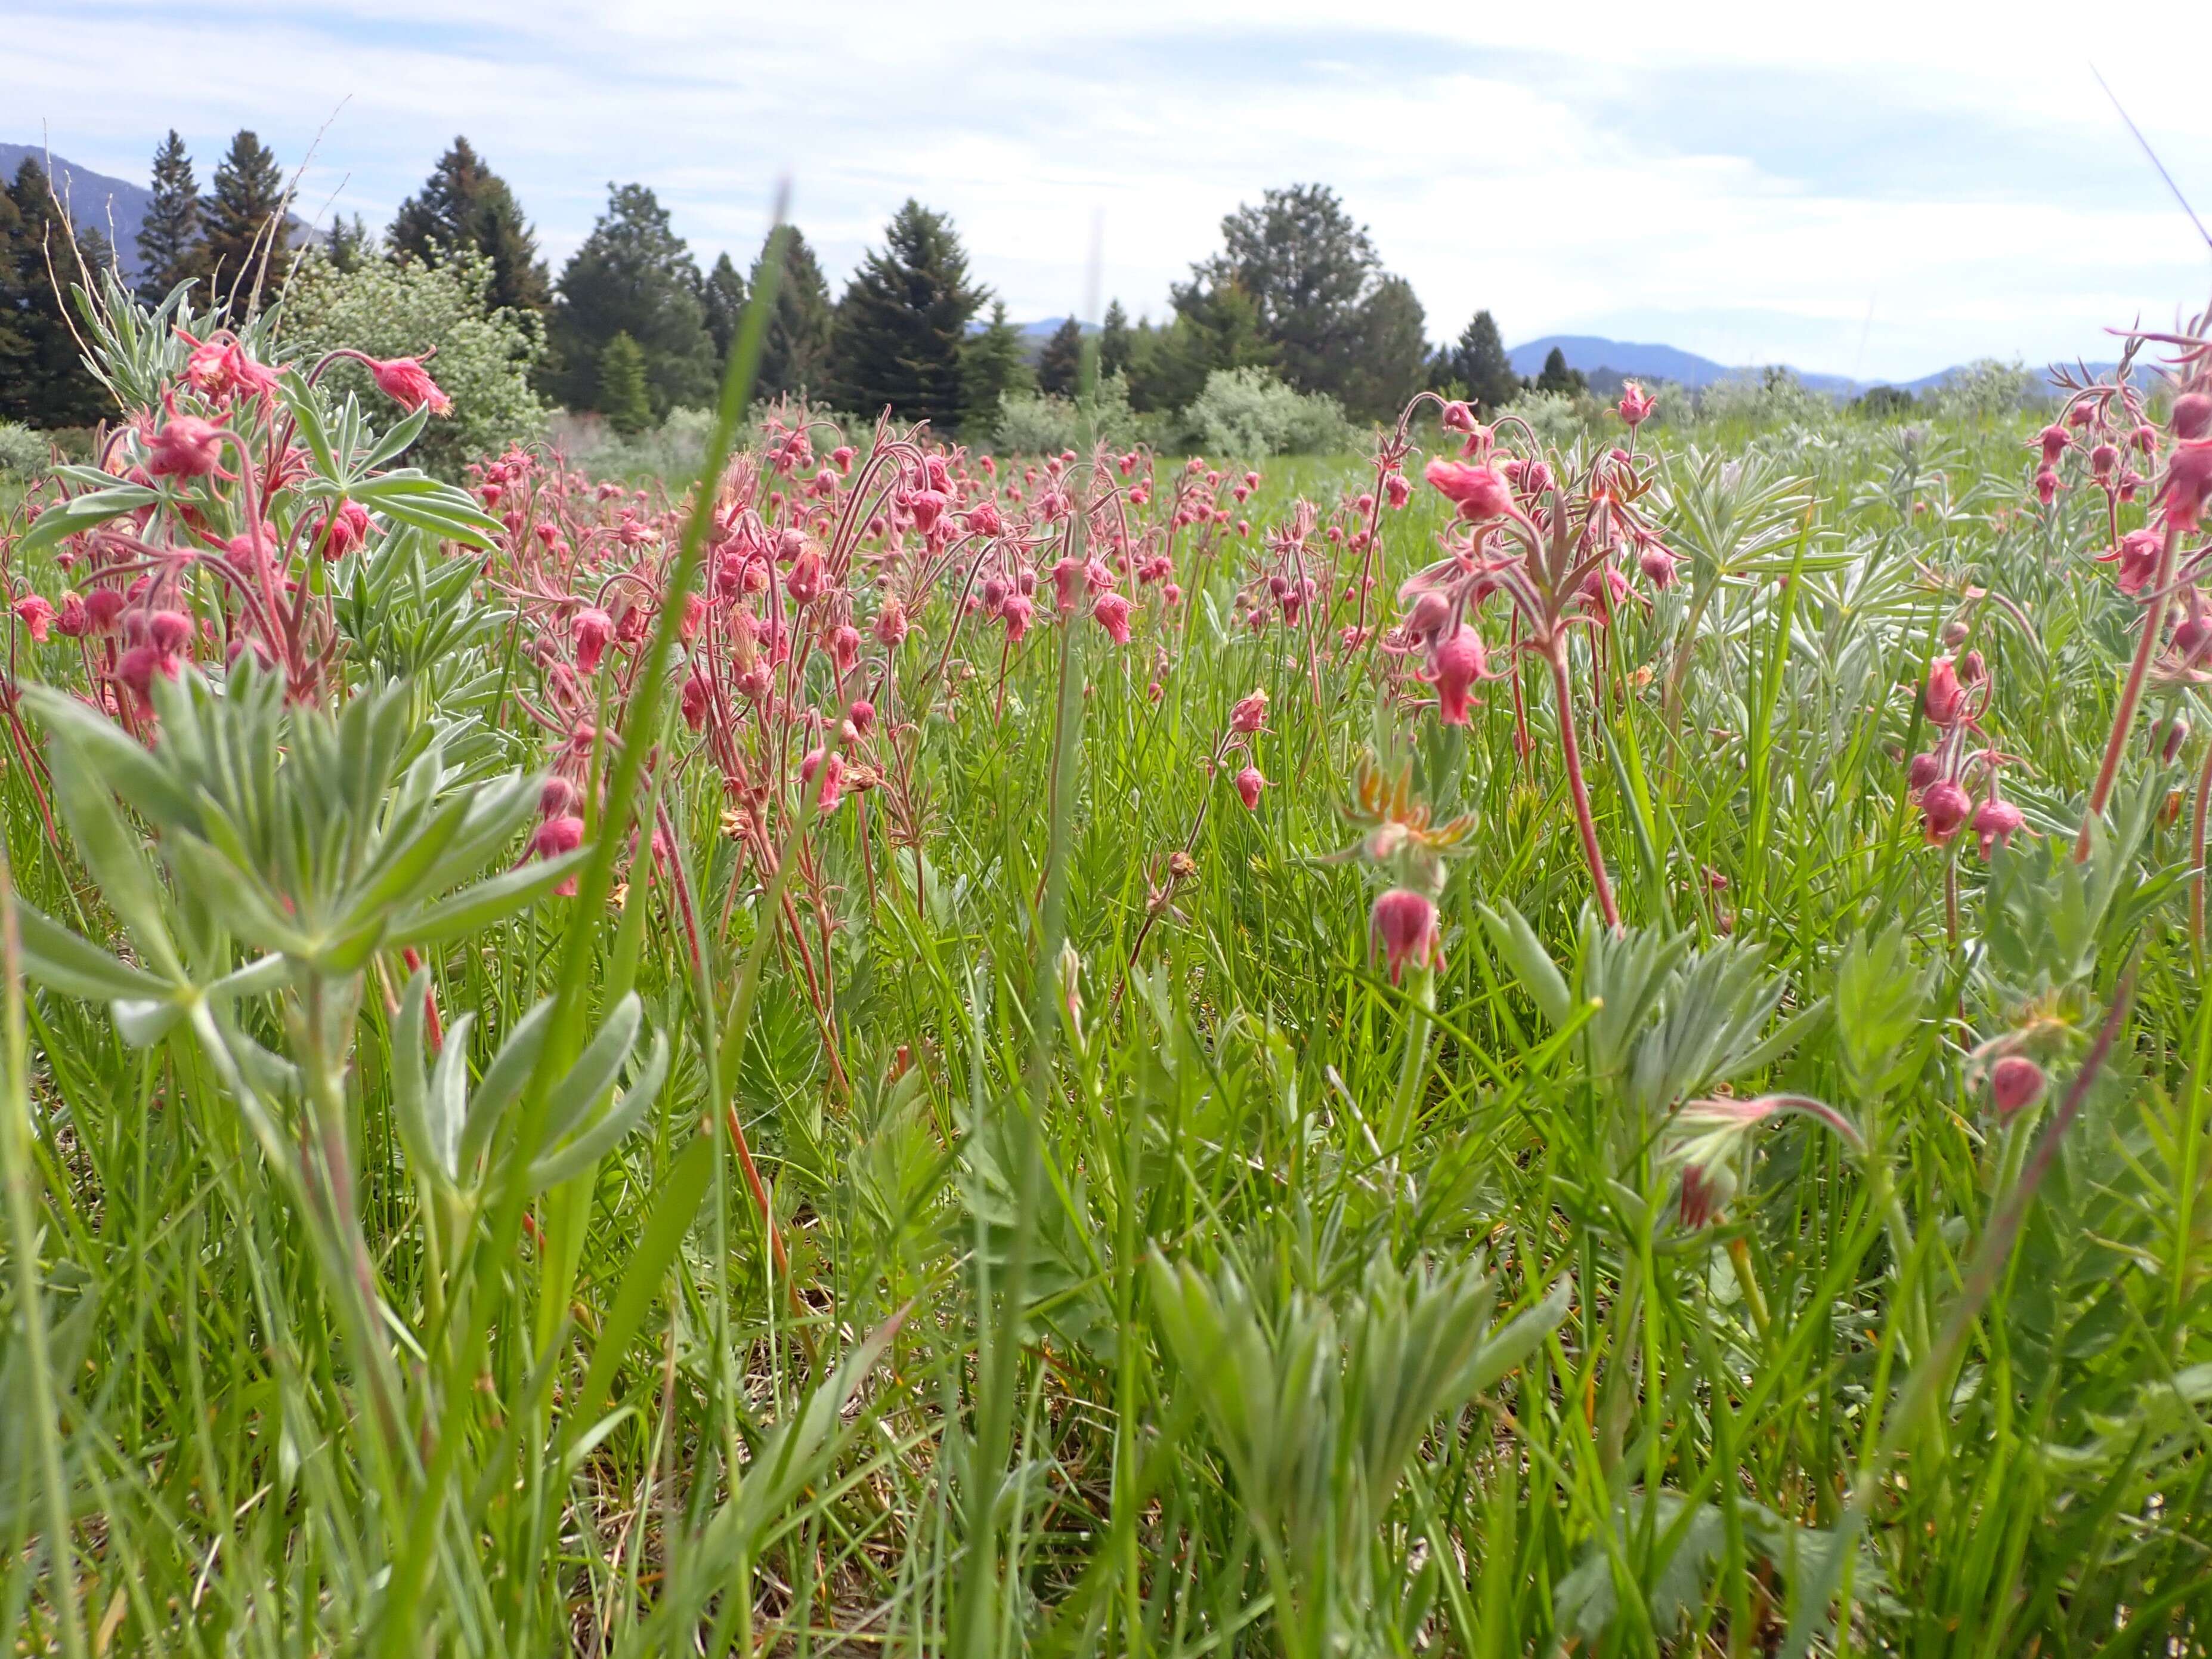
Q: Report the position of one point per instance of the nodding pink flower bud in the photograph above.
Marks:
(891, 624)
(1071, 580)
(592, 630)
(844, 648)
(841, 457)
(1250, 783)
(994, 595)
(1112, 613)
(832, 779)
(1657, 566)
(1250, 713)
(983, 518)
(1398, 489)
(1954, 635)
(1636, 404)
(407, 383)
(1405, 923)
(2016, 1083)
(558, 798)
(2054, 440)
(345, 527)
(1994, 822)
(1922, 772)
(1016, 614)
(1944, 807)
(860, 714)
(2172, 734)
(1479, 492)
(74, 622)
(2138, 557)
(2188, 483)
(1431, 612)
(2103, 459)
(927, 506)
(2191, 417)
(2047, 485)
(697, 697)
(808, 579)
(1454, 666)
(169, 632)
(103, 606)
(185, 446)
(1944, 698)
(1706, 1191)
(556, 837)
(36, 616)
(1971, 669)
(136, 668)
(1457, 416)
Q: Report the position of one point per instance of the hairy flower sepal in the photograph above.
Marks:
(1707, 1134)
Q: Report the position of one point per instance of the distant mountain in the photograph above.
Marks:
(113, 207)
(1606, 363)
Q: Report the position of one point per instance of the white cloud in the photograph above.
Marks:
(1882, 191)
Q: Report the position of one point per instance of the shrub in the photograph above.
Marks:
(1765, 397)
(1249, 412)
(1983, 390)
(484, 354)
(1044, 424)
(1553, 417)
(23, 453)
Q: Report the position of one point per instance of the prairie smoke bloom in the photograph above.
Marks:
(927, 506)
(1922, 771)
(2016, 1083)
(2103, 460)
(1016, 614)
(1250, 713)
(2188, 484)
(1112, 613)
(169, 632)
(136, 668)
(103, 608)
(1481, 493)
(891, 624)
(2191, 417)
(808, 579)
(1250, 783)
(860, 715)
(1405, 923)
(1636, 404)
(698, 697)
(2171, 738)
(1657, 566)
(592, 631)
(2054, 439)
(72, 619)
(1995, 820)
(345, 528)
(219, 370)
(831, 767)
(1431, 612)
(2047, 485)
(1454, 666)
(558, 798)
(1706, 1190)
(2138, 559)
(185, 446)
(556, 837)
(844, 648)
(1944, 807)
(1071, 580)
(1944, 698)
(36, 616)
(1398, 489)
(407, 383)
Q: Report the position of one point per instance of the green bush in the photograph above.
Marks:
(1044, 424)
(23, 453)
(484, 354)
(1247, 412)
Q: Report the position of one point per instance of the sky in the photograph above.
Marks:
(1879, 190)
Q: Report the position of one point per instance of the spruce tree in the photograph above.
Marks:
(990, 367)
(623, 396)
(904, 321)
(723, 299)
(1556, 376)
(1115, 342)
(43, 378)
(1060, 364)
(169, 250)
(244, 218)
(1479, 364)
(634, 276)
(1392, 360)
(349, 243)
(464, 203)
(795, 346)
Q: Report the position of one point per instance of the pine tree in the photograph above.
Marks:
(1479, 363)
(1116, 341)
(1305, 266)
(903, 322)
(623, 396)
(1059, 365)
(1556, 376)
(990, 367)
(245, 219)
(723, 299)
(169, 250)
(43, 378)
(464, 203)
(634, 275)
(1392, 360)
(795, 346)
(349, 243)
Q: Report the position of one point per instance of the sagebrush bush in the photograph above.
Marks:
(1250, 412)
(1043, 423)
(24, 453)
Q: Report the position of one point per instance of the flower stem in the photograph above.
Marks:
(1571, 750)
(2123, 717)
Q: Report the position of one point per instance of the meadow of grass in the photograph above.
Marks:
(972, 1184)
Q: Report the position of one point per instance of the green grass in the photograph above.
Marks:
(1142, 1329)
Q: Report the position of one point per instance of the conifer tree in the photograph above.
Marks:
(1060, 364)
(1478, 362)
(169, 250)
(622, 394)
(349, 243)
(723, 299)
(1556, 376)
(464, 203)
(1116, 341)
(43, 378)
(990, 367)
(1392, 359)
(795, 346)
(634, 276)
(904, 321)
(244, 218)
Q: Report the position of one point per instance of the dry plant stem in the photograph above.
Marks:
(2123, 717)
(1571, 751)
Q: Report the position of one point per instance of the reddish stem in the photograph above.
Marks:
(2123, 717)
(1570, 750)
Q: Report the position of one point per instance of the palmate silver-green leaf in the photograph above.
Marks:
(585, 1151)
(479, 906)
(55, 957)
(444, 510)
(66, 518)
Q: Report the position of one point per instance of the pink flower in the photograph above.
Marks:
(698, 696)
(185, 446)
(2054, 440)
(219, 370)
(1657, 566)
(36, 616)
(1706, 1190)
(1398, 488)
(832, 779)
(1112, 613)
(1016, 614)
(170, 631)
(1944, 806)
(1071, 580)
(1480, 492)
(2047, 485)
(1636, 404)
(1405, 923)
(2138, 558)
(860, 715)
(1250, 713)
(2016, 1083)
(1945, 698)
(558, 798)
(592, 630)
(1457, 416)
(2191, 417)
(405, 381)
(345, 528)
(1922, 772)
(1995, 820)
(1250, 783)
(103, 608)
(1454, 666)
(891, 624)
(73, 621)
(844, 648)
(2188, 483)
(927, 506)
